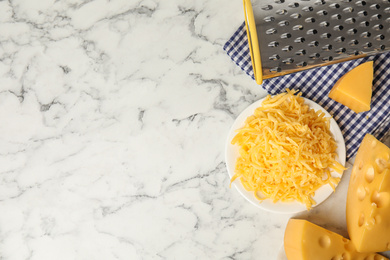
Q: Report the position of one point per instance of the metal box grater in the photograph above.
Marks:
(287, 36)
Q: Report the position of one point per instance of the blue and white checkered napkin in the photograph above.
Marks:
(315, 85)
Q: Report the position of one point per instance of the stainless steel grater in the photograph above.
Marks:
(287, 36)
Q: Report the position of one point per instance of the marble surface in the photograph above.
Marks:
(114, 116)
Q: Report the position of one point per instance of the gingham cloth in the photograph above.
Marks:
(315, 85)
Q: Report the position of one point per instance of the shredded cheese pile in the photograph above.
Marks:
(286, 151)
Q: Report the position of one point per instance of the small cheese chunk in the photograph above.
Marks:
(368, 198)
(354, 89)
(305, 241)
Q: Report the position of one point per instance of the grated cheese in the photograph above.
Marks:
(286, 151)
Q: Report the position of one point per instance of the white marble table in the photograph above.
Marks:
(113, 121)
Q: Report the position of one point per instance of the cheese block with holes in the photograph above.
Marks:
(305, 241)
(354, 89)
(368, 198)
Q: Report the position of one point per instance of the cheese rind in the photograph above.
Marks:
(305, 241)
(354, 89)
(368, 198)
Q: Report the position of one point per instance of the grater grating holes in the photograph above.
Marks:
(338, 28)
(310, 20)
(288, 61)
(376, 17)
(387, 10)
(275, 70)
(348, 10)
(353, 42)
(340, 50)
(319, 2)
(326, 35)
(362, 13)
(324, 24)
(279, 1)
(379, 37)
(361, 3)
(354, 53)
(377, 27)
(334, 5)
(352, 31)
(311, 32)
(365, 24)
(269, 19)
(308, 9)
(367, 45)
(283, 23)
(281, 11)
(336, 17)
(313, 44)
(365, 34)
(327, 47)
(273, 44)
(300, 52)
(299, 40)
(267, 7)
(340, 39)
(350, 20)
(271, 31)
(274, 57)
(298, 27)
(285, 36)
(287, 48)
(380, 48)
(296, 16)
(302, 64)
(322, 13)
(328, 58)
(375, 7)
(314, 56)
(293, 5)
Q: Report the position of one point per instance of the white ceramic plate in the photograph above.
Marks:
(232, 153)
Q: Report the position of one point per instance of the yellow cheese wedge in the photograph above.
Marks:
(368, 198)
(354, 89)
(305, 241)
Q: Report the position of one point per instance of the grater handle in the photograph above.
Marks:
(253, 41)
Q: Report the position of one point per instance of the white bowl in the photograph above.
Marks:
(232, 153)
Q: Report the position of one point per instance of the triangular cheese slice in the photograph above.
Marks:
(354, 89)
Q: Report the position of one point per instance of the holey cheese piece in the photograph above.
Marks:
(305, 241)
(368, 198)
(354, 89)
